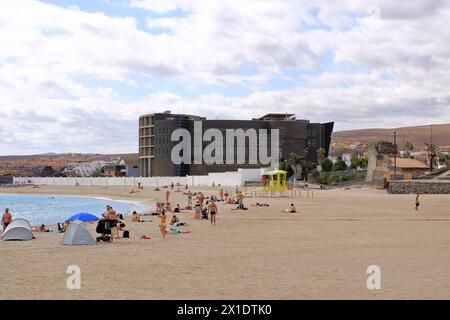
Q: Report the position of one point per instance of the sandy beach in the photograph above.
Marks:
(321, 252)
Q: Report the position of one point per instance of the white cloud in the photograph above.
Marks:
(363, 63)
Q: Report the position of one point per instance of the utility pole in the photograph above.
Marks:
(395, 155)
(431, 150)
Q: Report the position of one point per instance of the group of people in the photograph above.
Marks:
(174, 222)
(113, 220)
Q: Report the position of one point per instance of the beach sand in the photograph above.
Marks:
(322, 252)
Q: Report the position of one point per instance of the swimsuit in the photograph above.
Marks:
(163, 222)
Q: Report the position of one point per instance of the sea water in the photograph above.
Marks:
(51, 209)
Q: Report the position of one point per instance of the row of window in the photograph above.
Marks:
(312, 143)
(312, 132)
(162, 130)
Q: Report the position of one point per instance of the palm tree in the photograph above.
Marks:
(409, 147)
(297, 163)
(321, 153)
(432, 150)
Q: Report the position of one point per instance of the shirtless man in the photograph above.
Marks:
(213, 211)
(6, 219)
(111, 216)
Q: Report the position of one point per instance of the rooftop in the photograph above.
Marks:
(277, 116)
(409, 163)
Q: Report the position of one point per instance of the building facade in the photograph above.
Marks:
(155, 146)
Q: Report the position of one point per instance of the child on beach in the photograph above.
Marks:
(417, 202)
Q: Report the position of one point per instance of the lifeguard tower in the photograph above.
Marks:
(274, 181)
(274, 184)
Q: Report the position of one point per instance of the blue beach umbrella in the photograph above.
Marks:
(85, 217)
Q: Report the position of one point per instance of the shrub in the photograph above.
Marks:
(326, 165)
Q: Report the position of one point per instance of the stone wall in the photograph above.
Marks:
(419, 186)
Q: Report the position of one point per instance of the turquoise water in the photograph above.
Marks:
(47, 209)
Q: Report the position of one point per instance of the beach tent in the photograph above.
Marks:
(86, 217)
(77, 235)
(18, 230)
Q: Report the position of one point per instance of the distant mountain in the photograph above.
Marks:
(418, 135)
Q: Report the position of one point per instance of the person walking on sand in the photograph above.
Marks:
(167, 196)
(221, 194)
(213, 211)
(190, 200)
(163, 225)
(241, 200)
(417, 201)
(198, 211)
(201, 198)
(6, 219)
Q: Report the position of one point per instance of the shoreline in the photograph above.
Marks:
(140, 205)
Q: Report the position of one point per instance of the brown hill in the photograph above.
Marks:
(30, 165)
(418, 135)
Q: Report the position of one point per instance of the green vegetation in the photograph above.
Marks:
(432, 150)
(339, 165)
(326, 165)
(359, 162)
(408, 147)
(297, 163)
(337, 176)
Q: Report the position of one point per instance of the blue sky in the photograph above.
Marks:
(74, 66)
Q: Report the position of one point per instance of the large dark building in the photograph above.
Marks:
(155, 145)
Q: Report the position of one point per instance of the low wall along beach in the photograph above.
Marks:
(419, 186)
(230, 179)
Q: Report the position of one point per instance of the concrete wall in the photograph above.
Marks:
(230, 179)
(419, 186)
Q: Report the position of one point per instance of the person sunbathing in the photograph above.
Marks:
(135, 217)
(41, 228)
(62, 228)
(291, 209)
(260, 205)
(175, 222)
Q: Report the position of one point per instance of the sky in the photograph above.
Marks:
(76, 75)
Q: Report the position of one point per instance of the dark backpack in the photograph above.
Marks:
(126, 234)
